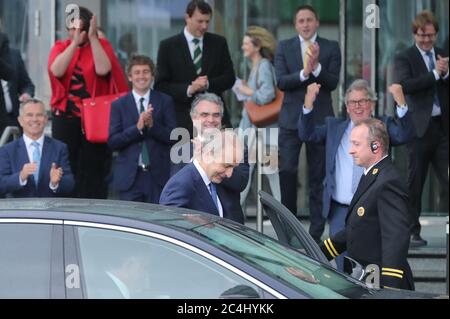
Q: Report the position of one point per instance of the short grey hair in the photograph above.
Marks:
(377, 132)
(210, 97)
(33, 100)
(361, 85)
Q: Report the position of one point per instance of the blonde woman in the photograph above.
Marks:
(258, 46)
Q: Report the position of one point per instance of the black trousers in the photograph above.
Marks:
(289, 151)
(432, 149)
(90, 163)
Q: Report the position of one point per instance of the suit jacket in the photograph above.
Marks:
(20, 81)
(235, 184)
(125, 138)
(187, 189)
(400, 131)
(14, 156)
(377, 226)
(420, 86)
(176, 71)
(289, 63)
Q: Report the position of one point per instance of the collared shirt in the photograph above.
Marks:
(303, 46)
(189, 37)
(207, 181)
(6, 96)
(138, 98)
(368, 169)
(436, 109)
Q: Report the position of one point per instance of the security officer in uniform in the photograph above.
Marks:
(377, 223)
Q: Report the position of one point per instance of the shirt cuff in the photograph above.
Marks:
(306, 110)
(55, 188)
(317, 71)
(436, 75)
(23, 183)
(303, 78)
(401, 110)
(446, 76)
(187, 92)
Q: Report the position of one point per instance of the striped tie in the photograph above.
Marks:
(431, 67)
(197, 56)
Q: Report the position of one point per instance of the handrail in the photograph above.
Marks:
(9, 131)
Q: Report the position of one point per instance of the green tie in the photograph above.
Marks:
(197, 56)
(145, 157)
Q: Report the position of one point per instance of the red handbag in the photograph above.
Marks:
(266, 114)
(95, 114)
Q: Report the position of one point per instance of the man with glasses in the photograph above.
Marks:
(423, 72)
(341, 174)
(35, 165)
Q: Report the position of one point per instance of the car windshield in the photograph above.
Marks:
(293, 268)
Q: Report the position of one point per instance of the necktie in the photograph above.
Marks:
(213, 190)
(37, 160)
(307, 44)
(144, 151)
(197, 56)
(431, 67)
(357, 173)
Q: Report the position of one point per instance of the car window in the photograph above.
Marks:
(295, 269)
(25, 259)
(117, 264)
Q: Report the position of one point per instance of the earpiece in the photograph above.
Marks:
(373, 147)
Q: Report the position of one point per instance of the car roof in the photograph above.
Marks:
(134, 211)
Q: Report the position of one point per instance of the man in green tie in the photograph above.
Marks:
(140, 127)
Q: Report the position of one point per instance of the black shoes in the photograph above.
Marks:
(417, 241)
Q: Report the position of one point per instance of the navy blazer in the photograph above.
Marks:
(187, 189)
(420, 86)
(14, 156)
(125, 138)
(289, 63)
(400, 131)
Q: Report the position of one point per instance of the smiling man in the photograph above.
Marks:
(193, 62)
(341, 175)
(423, 72)
(35, 165)
(140, 127)
(198, 184)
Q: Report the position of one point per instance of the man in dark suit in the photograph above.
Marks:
(140, 127)
(6, 73)
(198, 185)
(35, 165)
(377, 223)
(193, 62)
(300, 61)
(17, 90)
(341, 174)
(423, 72)
(206, 113)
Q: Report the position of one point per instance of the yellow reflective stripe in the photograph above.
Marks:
(392, 274)
(332, 247)
(329, 250)
(393, 270)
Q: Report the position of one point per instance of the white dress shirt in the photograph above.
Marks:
(206, 180)
(303, 46)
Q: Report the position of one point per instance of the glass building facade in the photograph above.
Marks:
(139, 25)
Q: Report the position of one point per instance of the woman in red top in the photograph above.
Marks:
(74, 65)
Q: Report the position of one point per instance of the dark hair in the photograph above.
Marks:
(201, 5)
(141, 60)
(85, 16)
(422, 19)
(306, 7)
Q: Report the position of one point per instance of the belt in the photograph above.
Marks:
(338, 204)
(144, 168)
(436, 118)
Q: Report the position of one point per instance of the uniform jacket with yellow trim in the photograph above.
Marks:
(377, 226)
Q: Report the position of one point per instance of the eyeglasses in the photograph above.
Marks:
(426, 35)
(362, 102)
